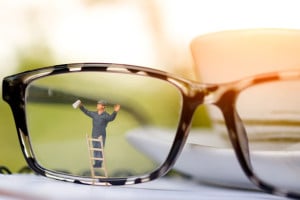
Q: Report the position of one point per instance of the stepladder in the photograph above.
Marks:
(96, 157)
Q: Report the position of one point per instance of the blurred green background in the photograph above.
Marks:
(45, 33)
(150, 33)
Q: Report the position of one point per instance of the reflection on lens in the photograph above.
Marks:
(89, 138)
(271, 115)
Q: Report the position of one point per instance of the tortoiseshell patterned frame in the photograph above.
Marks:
(193, 95)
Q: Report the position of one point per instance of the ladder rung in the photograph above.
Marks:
(96, 149)
(93, 158)
(95, 139)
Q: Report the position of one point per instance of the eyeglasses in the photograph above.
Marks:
(84, 145)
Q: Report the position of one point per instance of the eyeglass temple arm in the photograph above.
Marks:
(47, 95)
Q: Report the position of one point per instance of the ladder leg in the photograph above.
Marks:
(88, 139)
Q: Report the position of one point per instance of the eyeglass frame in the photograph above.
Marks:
(193, 95)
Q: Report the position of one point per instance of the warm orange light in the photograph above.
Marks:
(230, 55)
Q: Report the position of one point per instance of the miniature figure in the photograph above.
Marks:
(101, 118)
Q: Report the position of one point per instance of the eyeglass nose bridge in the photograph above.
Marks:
(197, 94)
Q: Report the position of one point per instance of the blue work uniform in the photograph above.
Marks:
(100, 122)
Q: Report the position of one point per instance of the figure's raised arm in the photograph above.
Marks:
(84, 110)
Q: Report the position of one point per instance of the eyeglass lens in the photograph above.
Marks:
(271, 115)
(59, 133)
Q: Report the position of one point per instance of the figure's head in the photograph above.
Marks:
(101, 105)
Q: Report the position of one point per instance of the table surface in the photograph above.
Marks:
(29, 186)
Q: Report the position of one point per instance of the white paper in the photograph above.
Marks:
(213, 165)
(76, 104)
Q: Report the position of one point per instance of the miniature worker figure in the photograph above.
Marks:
(100, 120)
